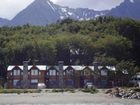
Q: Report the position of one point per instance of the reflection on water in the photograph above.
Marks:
(76, 104)
(98, 104)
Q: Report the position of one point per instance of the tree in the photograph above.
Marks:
(125, 70)
(103, 60)
(113, 46)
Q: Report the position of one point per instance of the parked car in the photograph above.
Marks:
(135, 80)
(89, 85)
(41, 86)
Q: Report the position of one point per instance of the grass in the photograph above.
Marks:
(18, 91)
(58, 90)
(70, 90)
(137, 89)
(64, 90)
(89, 90)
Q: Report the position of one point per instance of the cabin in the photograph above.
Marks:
(35, 76)
(52, 77)
(69, 77)
(74, 76)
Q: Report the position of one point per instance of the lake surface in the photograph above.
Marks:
(76, 104)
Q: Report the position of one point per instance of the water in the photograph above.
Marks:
(76, 104)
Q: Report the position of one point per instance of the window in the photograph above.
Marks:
(103, 73)
(64, 73)
(15, 82)
(87, 72)
(16, 72)
(47, 73)
(34, 81)
(34, 72)
(69, 72)
(70, 83)
(52, 72)
(53, 83)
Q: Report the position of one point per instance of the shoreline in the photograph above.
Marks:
(64, 98)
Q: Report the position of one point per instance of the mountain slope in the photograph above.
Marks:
(3, 21)
(129, 8)
(44, 12)
(40, 12)
(79, 13)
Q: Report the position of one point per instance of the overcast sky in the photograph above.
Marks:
(9, 8)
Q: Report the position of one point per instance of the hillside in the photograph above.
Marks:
(45, 12)
(76, 42)
(129, 8)
(3, 22)
(107, 40)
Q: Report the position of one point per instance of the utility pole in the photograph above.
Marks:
(61, 82)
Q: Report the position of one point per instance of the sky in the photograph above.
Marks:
(9, 8)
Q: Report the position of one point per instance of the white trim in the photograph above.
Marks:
(77, 67)
(40, 67)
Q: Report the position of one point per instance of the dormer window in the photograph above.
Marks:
(103, 73)
(16, 72)
(87, 72)
(52, 72)
(34, 72)
(69, 72)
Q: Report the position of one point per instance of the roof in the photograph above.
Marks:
(78, 67)
(40, 67)
(75, 67)
(112, 68)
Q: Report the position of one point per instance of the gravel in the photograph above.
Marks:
(78, 98)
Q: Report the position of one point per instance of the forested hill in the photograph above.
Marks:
(107, 40)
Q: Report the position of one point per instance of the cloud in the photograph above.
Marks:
(92, 4)
(9, 8)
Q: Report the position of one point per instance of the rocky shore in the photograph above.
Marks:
(124, 93)
(65, 98)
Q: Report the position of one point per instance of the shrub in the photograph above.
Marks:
(137, 89)
(90, 90)
(18, 91)
(58, 90)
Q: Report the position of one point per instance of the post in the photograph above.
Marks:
(97, 74)
(25, 74)
(61, 82)
(34, 62)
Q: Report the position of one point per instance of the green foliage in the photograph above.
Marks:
(106, 60)
(113, 46)
(57, 90)
(136, 89)
(90, 90)
(125, 70)
(63, 90)
(18, 91)
(127, 66)
(107, 40)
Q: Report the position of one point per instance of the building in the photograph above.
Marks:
(36, 75)
(73, 76)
